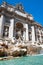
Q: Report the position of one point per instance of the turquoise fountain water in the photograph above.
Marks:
(28, 60)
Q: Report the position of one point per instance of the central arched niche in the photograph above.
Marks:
(19, 30)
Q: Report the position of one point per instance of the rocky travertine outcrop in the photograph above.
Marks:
(18, 49)
(3, 51)
(20, 52)
(31, 49)
(12, 50)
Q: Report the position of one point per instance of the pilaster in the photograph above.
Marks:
(2, 20)
(27, 38)
(24, 33)
(11, 28)
(33, 34)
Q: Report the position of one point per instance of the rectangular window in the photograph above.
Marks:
(6, 31)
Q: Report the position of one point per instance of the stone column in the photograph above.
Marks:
(24, 33)
(40, 36)
(2, 19)
(33, 34)
(27, 38)
(11, 28)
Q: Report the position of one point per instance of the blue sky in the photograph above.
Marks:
(34, 7)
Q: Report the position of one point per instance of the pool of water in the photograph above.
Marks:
(27, 60)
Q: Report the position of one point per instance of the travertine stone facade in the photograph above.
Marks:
(15, 22)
